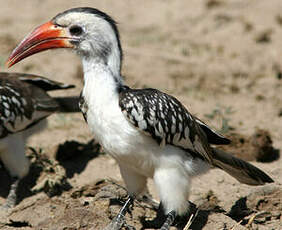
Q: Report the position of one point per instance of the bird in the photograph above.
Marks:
(24, 105)
(149, 133)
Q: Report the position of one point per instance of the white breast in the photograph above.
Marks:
(110, 127)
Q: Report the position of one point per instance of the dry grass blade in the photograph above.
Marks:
(236, 225)
(190, 221)
(253, 217)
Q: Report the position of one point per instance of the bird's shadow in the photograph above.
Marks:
(73, 156)
(240, 210)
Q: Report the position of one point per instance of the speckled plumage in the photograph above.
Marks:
(24, 101)
(161, 116)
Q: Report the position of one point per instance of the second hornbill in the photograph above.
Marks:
(24, 105)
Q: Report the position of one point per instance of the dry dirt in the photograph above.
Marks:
(221, 58)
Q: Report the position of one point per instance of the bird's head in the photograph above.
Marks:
(88, 31)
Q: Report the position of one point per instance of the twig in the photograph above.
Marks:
(253, 217)
(236, 225)
(190, 221)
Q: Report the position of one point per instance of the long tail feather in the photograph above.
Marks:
(68, 104)
(243, 171)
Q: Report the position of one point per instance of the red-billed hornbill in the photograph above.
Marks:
(149, 133)
(24, 106)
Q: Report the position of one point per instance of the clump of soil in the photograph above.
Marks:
(261, 206)
(267, 199)
(209, 202)
(92, 206)
(95, 205)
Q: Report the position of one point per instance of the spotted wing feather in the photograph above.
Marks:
(22, 105)
(165, 119)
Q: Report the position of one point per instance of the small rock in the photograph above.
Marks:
(214, 3)
(264, 36)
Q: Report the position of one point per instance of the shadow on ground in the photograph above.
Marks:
(74, 156)
(50, 175)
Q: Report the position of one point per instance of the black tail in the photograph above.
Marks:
(243, 171)
(68, 104)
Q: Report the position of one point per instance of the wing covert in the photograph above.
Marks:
(14, 108)
(22, 105)
(164, 118)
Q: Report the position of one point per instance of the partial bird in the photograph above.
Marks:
(149, 133)
(24, 106)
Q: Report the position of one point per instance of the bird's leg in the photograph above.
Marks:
(169, 220)
(119, 221)
(12, 196)
(125, 207)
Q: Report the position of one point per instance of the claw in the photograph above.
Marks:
(119, 220)
(116, 223)
(169, 220)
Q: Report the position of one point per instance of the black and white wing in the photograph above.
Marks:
(165, 119)
(24, 101)
(19, 108)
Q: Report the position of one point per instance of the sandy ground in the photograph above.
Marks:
(221, 58)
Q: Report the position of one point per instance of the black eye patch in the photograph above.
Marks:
(76, 30)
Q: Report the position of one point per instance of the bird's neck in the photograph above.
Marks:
(101, 82)
(109, 55)
(114, 60)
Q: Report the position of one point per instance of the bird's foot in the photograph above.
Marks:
(12, 196)
(119, 220)
(116, 223)
(5, 210)
(169, 220)
(161, 221)
(11, 199)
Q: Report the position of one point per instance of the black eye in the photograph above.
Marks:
(76, 30)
